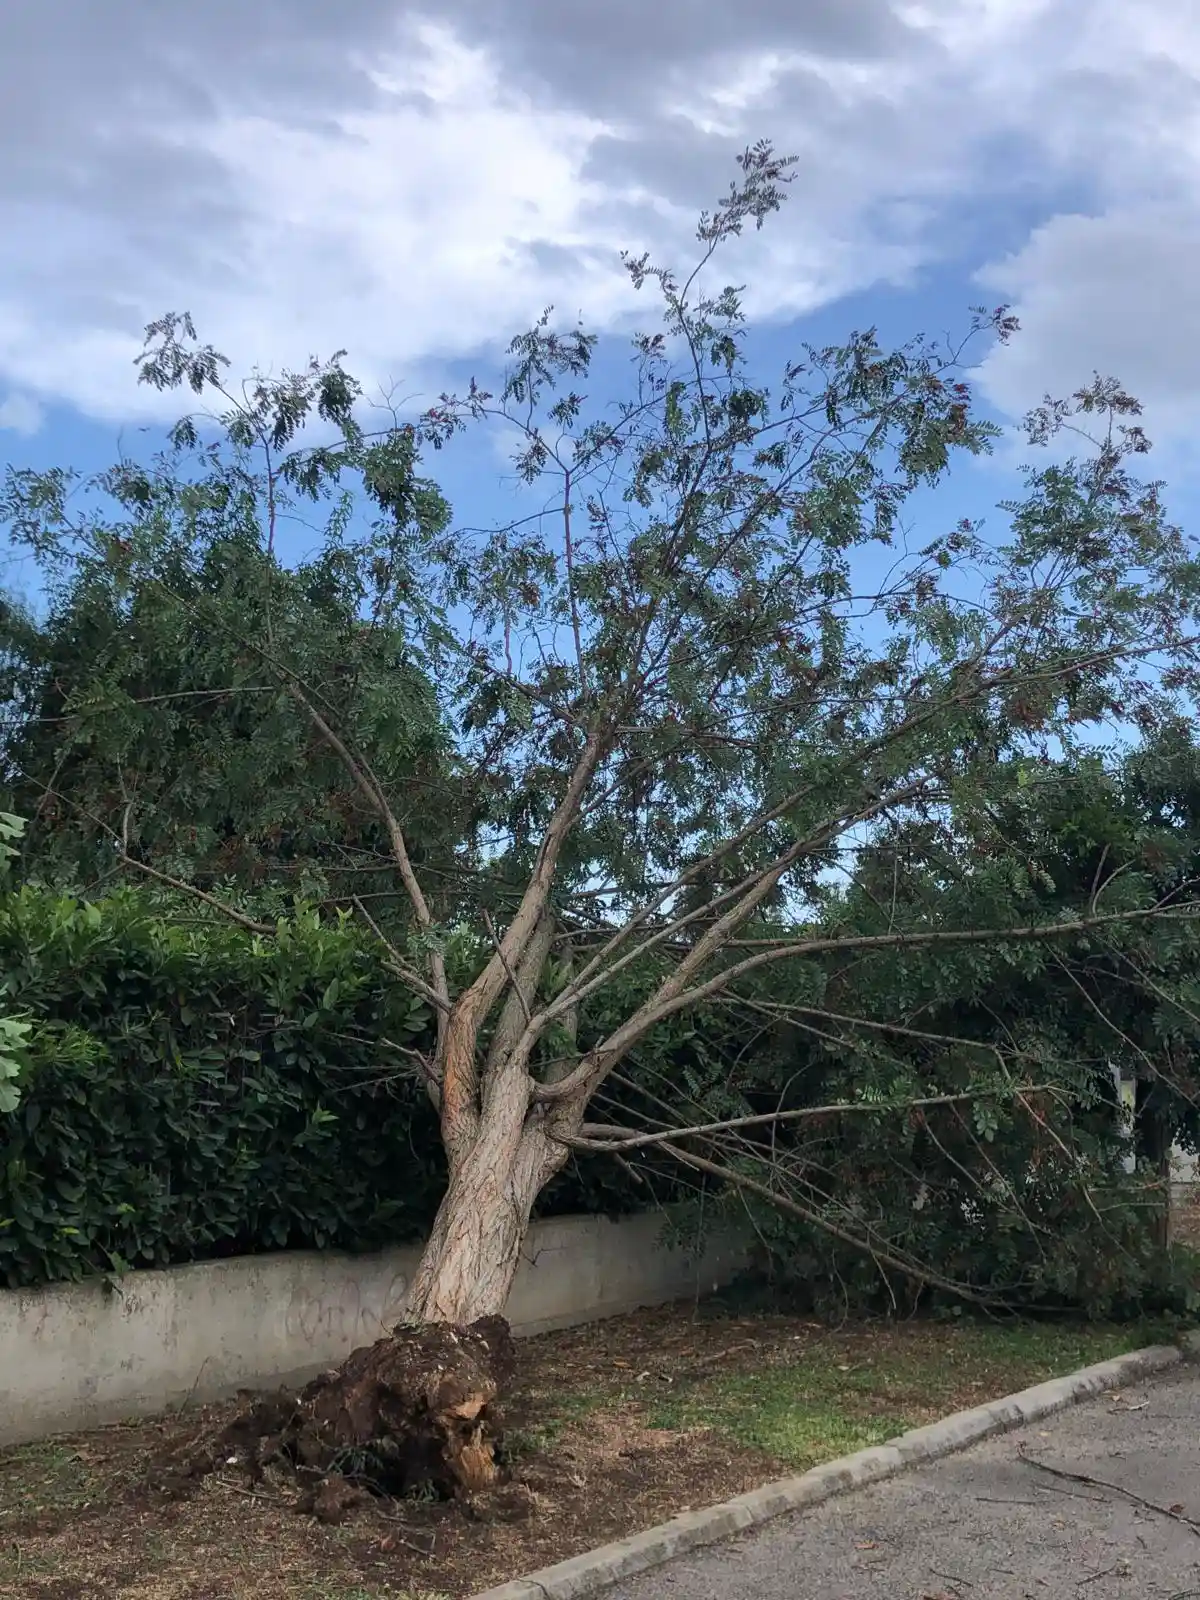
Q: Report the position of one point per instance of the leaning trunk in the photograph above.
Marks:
(500, 1157)
(421, 1405)
(474, 1247)
(420, 1408)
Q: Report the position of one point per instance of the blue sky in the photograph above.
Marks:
(415, 185)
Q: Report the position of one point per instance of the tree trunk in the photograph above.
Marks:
(500, 1159)
(1152, 1143)
(421, 1406)
(474, 1247)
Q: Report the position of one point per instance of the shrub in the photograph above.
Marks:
(189, 1091)
(194, 1091)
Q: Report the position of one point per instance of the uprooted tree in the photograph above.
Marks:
(704, 664)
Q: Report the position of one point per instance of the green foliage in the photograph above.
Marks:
(191, 1090)
(14, 1031)
(14, 1043)
(703, 667)
(11, 830)
(1017, 1194)
(696, 590)
(1029, 1228)
(152, 710)
(194, 1091)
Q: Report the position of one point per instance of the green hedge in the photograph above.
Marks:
(192, 1091)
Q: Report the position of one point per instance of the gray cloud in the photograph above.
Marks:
(82, 84)
(617, 58)
(93, 96)
(416, 183)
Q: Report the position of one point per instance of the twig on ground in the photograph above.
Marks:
(721, 1355)
(240, 1488)
(394, 1523)
(1094, 1577)
(948, 1577)
(1071, 1494)
(1115, 1488)
(191, 1394)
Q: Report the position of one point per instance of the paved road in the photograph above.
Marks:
(985, 1525)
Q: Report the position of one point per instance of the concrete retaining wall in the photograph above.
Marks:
(76, 1355)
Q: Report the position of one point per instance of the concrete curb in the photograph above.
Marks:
(596, 1569)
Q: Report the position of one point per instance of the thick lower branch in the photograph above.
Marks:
(603, 1137)
(595, 1067)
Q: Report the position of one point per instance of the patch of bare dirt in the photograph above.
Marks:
(87, 1518)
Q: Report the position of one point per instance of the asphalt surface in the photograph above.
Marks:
(987, 1525)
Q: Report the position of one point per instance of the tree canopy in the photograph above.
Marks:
(712, 669)
(146, 712)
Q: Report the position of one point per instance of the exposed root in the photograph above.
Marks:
(416, 1412)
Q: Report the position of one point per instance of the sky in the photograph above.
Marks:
(416, 185)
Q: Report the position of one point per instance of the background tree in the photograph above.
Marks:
(680, 696)
(1017, 1197)
(143, 715)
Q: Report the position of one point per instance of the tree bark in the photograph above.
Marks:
(474, 1248)
(499, 1155)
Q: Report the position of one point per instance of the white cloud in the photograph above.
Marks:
(1115, 293)
(410, 229)
(414, 227)
(1111, 287)
(432, 222)
(418, 191)
(21, 414)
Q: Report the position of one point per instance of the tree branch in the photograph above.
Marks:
(604, 1137)
(398, 964)
(595, 1066)
(910, 1269)
(233, 914)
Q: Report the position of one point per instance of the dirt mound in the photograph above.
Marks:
(415, 1412)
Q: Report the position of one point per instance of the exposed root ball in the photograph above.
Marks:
(417, 1410)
